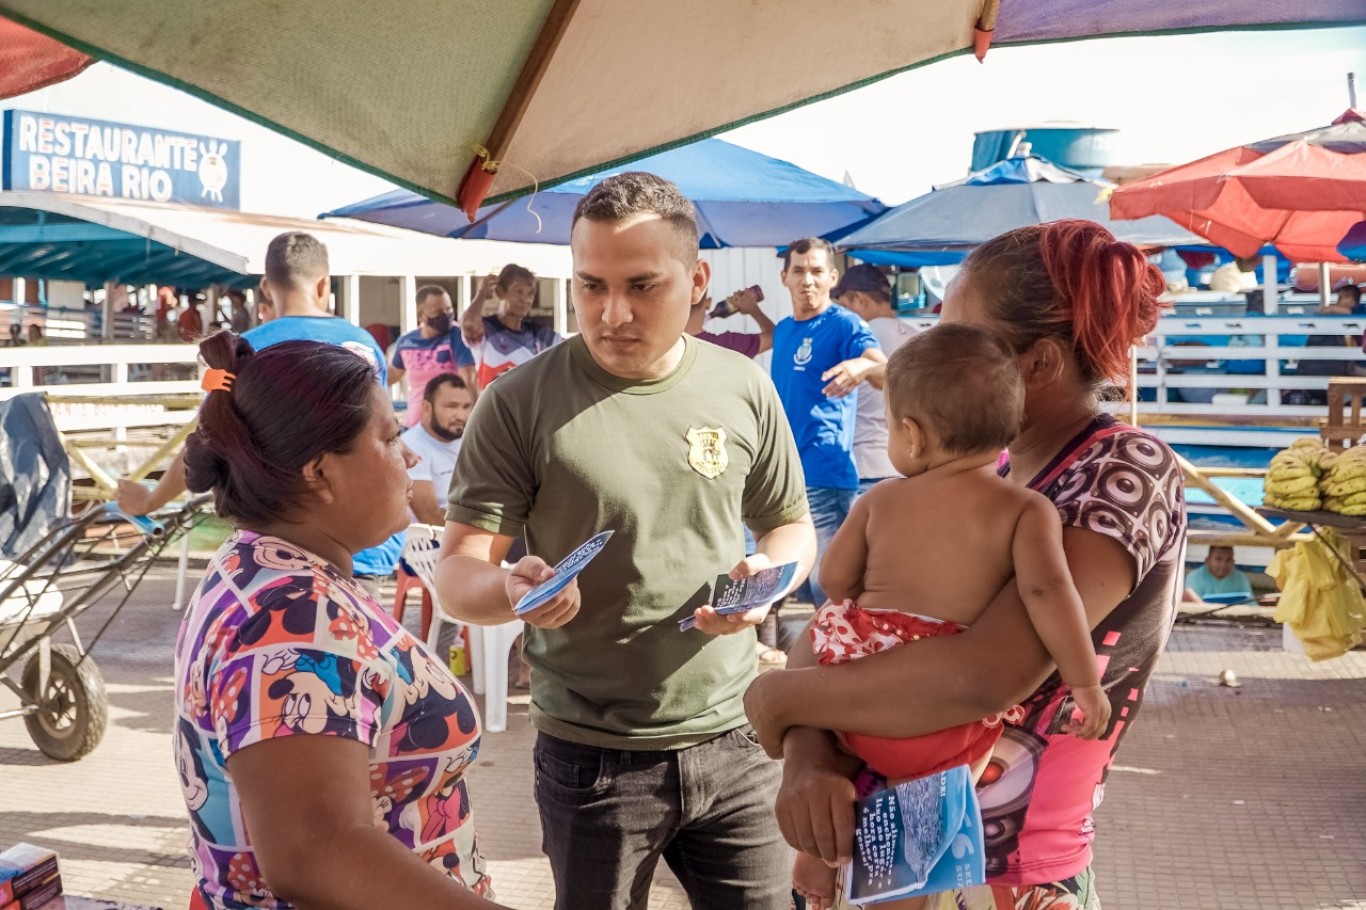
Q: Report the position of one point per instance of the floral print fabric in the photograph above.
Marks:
(845, 631)
(277, 643)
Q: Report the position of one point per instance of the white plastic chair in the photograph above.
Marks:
(490, 646)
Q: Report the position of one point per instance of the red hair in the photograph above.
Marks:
(1074, 281)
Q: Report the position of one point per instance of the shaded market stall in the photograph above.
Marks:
(547, 90)
(1300, 192)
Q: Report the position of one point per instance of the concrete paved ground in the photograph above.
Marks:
(1223, 799)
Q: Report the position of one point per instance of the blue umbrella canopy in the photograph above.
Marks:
(1353, 246)
(743, 198)
(944, 225)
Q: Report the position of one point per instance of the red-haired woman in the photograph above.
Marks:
(1070, 300)
(321, 749)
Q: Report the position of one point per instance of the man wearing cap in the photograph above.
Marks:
(864, 290)
(821, 353)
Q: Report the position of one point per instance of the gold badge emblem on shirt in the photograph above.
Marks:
(707, 451)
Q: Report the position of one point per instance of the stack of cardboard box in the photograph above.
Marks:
(28, 877)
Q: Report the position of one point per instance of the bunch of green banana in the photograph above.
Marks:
(1293, 480)
(1344, 487)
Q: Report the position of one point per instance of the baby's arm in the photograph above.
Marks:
(842, 568)
(1056, 610)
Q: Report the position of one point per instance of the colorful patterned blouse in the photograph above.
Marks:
(1042, 785)
(277, 643)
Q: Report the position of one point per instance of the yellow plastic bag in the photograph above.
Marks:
(1320, 599)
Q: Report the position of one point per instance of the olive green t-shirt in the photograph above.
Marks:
(562, 449)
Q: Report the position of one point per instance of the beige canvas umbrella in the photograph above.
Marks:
(480, 99)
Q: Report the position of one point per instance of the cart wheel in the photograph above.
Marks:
(72, 711)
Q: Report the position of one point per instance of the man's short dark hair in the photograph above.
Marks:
(960, 382)
(806, 245)
(623, 196)
(296, 260)
(1351, 290)
(436, 382)
(429, 290)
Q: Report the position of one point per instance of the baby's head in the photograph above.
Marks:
(952, 391)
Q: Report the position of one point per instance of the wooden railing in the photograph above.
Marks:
(76, 326)
(98, 393)
(127, 372)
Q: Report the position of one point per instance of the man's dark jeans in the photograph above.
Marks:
(608, 815)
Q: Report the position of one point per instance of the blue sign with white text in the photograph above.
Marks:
(59, 154)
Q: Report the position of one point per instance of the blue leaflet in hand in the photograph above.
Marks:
(565, 572)
(920, 837)
(740, 595)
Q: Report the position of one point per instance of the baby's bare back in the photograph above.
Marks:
(940, 546)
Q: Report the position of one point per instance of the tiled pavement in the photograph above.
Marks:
(1224, 799)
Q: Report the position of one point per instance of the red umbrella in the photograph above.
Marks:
(1300, 193)
(29, 61)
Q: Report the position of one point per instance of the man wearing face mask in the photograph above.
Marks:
(434, 347)
(446, 404)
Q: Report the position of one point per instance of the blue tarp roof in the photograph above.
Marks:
(39, 244)
(743, 199)
(93, 239)
(945, 225)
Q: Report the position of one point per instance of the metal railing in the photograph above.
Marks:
(1239, 367)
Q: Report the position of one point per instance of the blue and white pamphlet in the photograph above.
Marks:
(740, 595)
(565, 572)
(920, 837)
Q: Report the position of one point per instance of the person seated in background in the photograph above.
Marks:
(1348, 302)
(446, 404)
(1347, 299)
(1217, 576)
(751, 344)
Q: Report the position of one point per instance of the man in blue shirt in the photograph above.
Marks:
(296, 283)
(820, 355)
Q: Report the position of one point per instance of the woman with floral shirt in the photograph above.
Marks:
(321, 749)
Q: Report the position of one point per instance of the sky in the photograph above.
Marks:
(1173, 99)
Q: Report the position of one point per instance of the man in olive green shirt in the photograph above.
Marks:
(633, 427)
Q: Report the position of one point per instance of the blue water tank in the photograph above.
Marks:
(1087, 149)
